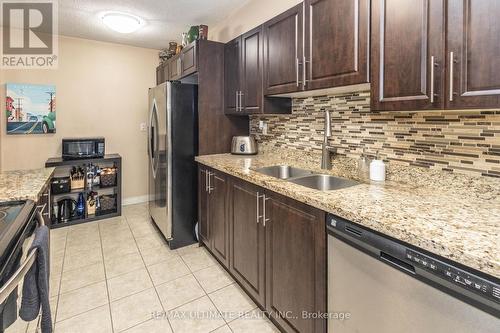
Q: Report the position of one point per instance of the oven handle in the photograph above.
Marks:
(18, 276)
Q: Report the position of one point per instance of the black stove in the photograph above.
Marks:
(14, 219)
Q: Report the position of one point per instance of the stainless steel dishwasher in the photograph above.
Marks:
(378, 284)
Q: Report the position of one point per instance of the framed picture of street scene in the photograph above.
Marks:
(30, 108)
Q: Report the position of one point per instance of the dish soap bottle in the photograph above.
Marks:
(377, 169)
(363, 166)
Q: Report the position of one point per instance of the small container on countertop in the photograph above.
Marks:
(377, 170)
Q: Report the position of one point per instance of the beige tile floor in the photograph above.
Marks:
(118, 275)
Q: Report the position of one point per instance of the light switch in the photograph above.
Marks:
(142, 126)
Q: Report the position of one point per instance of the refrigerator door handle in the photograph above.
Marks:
(153, 133)
(150, 137)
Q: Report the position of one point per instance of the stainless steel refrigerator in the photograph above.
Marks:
(172, 146)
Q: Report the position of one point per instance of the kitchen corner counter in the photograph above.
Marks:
(453, 216)
(24, 184)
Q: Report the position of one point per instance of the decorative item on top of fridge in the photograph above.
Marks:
(203, 32)
(184, 40)
(163, 55)
(193, 33)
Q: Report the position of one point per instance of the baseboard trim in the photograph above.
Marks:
(135, 200)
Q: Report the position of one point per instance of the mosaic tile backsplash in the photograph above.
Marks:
(465, 141)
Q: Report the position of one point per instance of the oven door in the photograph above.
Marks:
(11, 279)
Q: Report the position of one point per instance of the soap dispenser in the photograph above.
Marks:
(377, 169)
(363, 166)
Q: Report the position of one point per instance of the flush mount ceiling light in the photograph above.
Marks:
(122, 22)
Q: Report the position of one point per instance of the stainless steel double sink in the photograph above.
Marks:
(307, 178)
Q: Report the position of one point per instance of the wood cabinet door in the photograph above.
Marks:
(295, 263)
(283, 52)
(337, 42)
(473, 54)
(189, 58)
(232, 76)
(160, 76)
(247, 239)
(251, 71)
(405, 40)
(203, 222)
(217, 216)
(175, 68)
(166, 72)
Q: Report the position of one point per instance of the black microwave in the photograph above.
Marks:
(80, 148)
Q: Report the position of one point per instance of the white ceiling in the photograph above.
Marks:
(165, 19)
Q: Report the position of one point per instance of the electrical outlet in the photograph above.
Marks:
(142, 127)
(261, 124)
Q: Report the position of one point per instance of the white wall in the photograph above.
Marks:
(248, 16)
(102, 90)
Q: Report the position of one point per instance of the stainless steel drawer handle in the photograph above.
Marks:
(206, 180)
(304, 71)
(210, 174)
(258, 211)
(237, 99)
(297, 63)
(452, 63)
(264, 218)
(433, 65)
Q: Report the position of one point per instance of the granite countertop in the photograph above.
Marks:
(23, 184)
(454, 216)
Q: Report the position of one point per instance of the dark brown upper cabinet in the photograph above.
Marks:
(243, 73)
(317, 44)
(182, 64)
(251, 97)
(189, 61)
(473, 54)
(232, 76)
(175, 67)
(336, 47)
(412, 70)
(407, 67)
(160, 74)
(283, 52)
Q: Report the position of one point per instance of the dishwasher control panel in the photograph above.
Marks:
(455, 275)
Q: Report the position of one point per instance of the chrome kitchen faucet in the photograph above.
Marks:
(327, 152)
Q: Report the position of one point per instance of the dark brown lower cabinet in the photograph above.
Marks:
(212, 213)
(295, 264)
(247, 240)
(217, 215)
(203, 225)
(277, 248)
